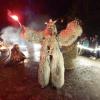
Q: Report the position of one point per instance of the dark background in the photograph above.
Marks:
(86, 10)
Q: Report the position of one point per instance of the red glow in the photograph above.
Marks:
(14, 17)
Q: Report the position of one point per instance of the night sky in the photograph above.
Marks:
(86, 10)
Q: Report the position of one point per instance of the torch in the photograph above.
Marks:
(14, 17)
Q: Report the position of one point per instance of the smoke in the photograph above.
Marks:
(11, 35)
(34, 20)
(38, 22)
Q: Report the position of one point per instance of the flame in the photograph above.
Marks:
(14, 17)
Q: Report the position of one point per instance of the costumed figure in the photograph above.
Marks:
(16, 55)
(69, 38)
(51, 66)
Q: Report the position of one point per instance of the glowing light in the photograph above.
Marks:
(14, 17)
(86, 48)
(3, 48)
(37, 48)
(97, 49)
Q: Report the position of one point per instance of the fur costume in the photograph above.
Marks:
(69, 54)
(51, 66)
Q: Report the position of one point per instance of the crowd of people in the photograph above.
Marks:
(90, 46)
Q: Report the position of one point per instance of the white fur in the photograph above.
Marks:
(57, 69)
(70, 34)
(44, 72)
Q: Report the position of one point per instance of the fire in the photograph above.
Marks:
(14, 17)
